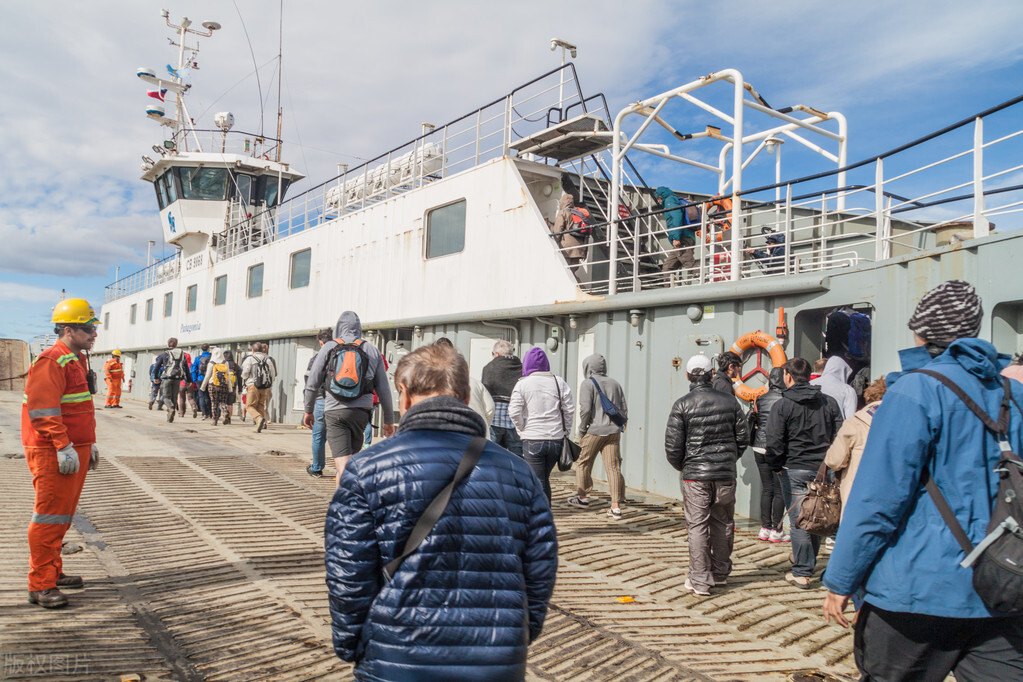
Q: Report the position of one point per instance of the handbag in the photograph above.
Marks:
(569, 449)
(610, 409)
(424, 526)
(821, 509)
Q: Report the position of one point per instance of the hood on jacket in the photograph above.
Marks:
(535, 361)
(976, 356)
(566, 202)
(776, 379)
(805, 394)
(837, 369)
(348, 327)
(594, 365)
(663, 193)
(217, 356)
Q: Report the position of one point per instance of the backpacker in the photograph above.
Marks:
(172, 367)
(204, 362)
(349, 371)
(997, 560)
(582, 224)
(859, 335)
(263, 378)
(610, 409)
(219, 377)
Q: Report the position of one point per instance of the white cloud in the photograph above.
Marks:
(15, 292)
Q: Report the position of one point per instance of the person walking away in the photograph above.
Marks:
(845, 453)
(541, 408)
(319, 427)
(113, 371)
(834, 381)
(772, 502)
(265, 348)
(682, 238)
(219, 386)
(571, 244)
(920, 617)
(499, 377)
(352, 369)
(258, 374)
(818, 368)
(236, 378)
(480, 399)
(58, 433)
(199, 375)
(172, 368)
(600, 435)
(154, 387)
(705, 436)
(391, 625)
(729, 369)
(186, 393)
(800, 429)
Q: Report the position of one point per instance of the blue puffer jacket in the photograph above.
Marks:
(893, 543)
(195, 367)
(468, 602)
(674, 220)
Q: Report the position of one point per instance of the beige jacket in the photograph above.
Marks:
(844, 454)
(562, 223)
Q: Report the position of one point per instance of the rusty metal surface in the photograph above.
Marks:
(203, 560)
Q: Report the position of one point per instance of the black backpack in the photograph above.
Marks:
(263, 378)
(172, 368)
(998, 560)
(203, 364)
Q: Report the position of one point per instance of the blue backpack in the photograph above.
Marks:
(609, 407)
(859, 335)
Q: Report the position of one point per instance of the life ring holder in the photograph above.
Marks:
(762, 343)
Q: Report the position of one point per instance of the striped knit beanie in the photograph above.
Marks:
(947, 312)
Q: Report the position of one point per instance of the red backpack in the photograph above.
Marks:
(582, 225)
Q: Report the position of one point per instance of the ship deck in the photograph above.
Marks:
(202, 556)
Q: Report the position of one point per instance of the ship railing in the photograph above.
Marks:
(946, 188)
(231, 142)
(161, 271)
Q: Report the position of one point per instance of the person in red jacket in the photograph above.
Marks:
(58, 432)
(114, 372)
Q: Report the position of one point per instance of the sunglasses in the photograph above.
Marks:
(87, 328)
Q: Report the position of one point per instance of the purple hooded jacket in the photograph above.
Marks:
(535, 361)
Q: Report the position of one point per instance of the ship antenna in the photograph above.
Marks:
(280, 77)
(259, 85)
(182, 123)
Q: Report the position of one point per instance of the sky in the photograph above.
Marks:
(360, 78)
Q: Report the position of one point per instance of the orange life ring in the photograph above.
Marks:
(714, 209)
(765, 342)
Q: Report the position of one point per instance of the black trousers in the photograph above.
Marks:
(772, 502)
(890, 646)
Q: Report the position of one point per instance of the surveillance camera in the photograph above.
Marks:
(573, 53)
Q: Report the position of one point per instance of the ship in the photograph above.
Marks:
(449, 234)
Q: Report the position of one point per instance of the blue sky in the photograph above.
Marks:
(360, 80)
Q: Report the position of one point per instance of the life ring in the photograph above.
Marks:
(714, 211)
(763, 343)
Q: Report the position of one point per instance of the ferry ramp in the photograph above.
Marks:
(202, 556)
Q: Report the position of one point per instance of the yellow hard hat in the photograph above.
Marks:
(74, 311)
(117, 353)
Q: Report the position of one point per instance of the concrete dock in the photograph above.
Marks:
(202, 552)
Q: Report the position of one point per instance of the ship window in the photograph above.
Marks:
(149, 310)
(244, 188)
(300, 262)
(172, 187)
(161, 192)
(267, 190)
(445, 230)
(207, 184)
(131, 313)
(256, 281)
(191, 298)
(106, 320)
(220, 290)
(168, 304)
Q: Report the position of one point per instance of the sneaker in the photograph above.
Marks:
(227, 420)
(170, 416)
(698, 593)
(614, 513)
(195, 413)
(720, 582)
(774, 536)
(798, 581)
(315, 473)
(260, 424)
(579, 501)
(764, 534)
(829, 543)
(150, 405)
(786, 538)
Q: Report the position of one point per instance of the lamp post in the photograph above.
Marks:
(565, 47)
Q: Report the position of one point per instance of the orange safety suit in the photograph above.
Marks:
(57, 411)
(114, 373)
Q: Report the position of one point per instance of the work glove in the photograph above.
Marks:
(94, 458)
(67, 460)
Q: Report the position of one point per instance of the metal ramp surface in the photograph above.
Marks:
(579, 136)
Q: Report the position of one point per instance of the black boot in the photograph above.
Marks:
(48, 599)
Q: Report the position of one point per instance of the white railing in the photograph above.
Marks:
(157, 273)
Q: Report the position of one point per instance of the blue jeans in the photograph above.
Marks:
(369, 433)
(203, 400)
(541, 456)
(804, 545)
(319, 436)
(507, 439)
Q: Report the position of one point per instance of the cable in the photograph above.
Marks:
(259, 85)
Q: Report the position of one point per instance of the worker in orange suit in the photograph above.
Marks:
(58, 431)
(114, 372)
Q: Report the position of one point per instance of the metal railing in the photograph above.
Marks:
(159, 272)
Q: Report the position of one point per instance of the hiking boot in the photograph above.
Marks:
(170, 416)
(764, 534)
(315, 473)
(48, 599)
(698, 593)
(579, 502)
(227, 420)
(73, 582)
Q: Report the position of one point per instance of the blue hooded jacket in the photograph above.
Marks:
(893, 547)
(673, 219)
(195, 366)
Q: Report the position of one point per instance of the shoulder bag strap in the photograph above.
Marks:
(601, 393)
(436, 508)
(561, 415)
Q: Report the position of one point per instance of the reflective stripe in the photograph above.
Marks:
(64, 359)
(51, 518)
(44, 412)
(75, 397)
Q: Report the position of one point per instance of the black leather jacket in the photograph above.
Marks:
(763, 404)
(706, 433)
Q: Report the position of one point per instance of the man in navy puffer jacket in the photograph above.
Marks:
(468, 602)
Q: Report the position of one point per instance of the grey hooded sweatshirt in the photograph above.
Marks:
(834, 381)
(592, 419)
(348, 329)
